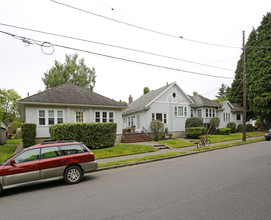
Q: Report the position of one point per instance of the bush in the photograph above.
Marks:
(193, 122)
(249, 127)
(214, 122)
(224, 131)
(194, 132)
(29, 134)
(232, 126)
(93, 135)
(240, 128)
(157, 128)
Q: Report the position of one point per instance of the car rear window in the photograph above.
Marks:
(73, 149)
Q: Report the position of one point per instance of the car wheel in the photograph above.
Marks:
(267, 138)
(73, 174)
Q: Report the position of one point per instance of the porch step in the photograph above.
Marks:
(135, 137)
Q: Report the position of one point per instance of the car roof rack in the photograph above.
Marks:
(56, 141)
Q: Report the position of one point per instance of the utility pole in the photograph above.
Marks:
(244, 90)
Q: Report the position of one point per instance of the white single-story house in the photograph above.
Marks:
(173, 106)
(69, 103)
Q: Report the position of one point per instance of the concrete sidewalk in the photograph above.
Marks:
(171, 150)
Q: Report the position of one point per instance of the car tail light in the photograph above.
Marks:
(92, 155)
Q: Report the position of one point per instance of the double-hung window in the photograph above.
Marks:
(104, 116)
(51, 117)
(180, 111)
(60, 117)
(41, 117)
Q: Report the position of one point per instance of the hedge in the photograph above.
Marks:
(193, 122)
(29, 134)
(194, 132)
(93, 135)
(232, 126)
(224, 131)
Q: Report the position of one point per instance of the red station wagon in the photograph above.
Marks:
(50, 159)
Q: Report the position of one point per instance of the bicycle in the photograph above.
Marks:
(204, 142)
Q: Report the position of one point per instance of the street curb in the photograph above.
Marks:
(170, 157)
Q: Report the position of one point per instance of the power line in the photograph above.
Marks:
(36, 42)
(115, 46)
(142, 28)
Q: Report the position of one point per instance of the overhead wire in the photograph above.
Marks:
(114, 57)
(115, 46)
(143, 28)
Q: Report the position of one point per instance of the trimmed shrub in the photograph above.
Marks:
(193, 122)
(214, 122)
(194, 132)
(240, 128)
(29, 134)
(224, 131)
(93, 135)
(249, 127)
(232, 126)
(157, 128)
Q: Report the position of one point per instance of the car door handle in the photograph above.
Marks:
(64, 161)
(34, 165)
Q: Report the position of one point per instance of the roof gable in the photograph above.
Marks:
(70, 94)
(146, 100)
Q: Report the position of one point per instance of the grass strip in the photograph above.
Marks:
(139, 159)
(122, 150)
(175, 143)
(228, 144)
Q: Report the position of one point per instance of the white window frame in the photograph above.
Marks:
(105, 116)
(176, 111)
(164, 117)
(46, 116)
(41, 117)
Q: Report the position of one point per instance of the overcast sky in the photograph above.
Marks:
(160, 24)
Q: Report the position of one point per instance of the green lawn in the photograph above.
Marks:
(175, 143)
(121, 150)
(228, 144)
(233, 136)
(8, 149)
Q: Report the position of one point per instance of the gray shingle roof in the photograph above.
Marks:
(200, 101)
(71, 94)
(141, 103)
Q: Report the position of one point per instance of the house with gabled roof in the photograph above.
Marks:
(171, 105)
(206, 109)
(69, 103)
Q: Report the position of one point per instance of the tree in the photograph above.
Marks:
(195, 93)
(72, 72)
(222, 93)
(146, 90)
(8, 101)
(258, 68)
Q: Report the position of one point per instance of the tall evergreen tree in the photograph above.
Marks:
(258, 68)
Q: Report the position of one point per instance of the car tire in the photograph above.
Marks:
(1, 189)
(73, 174)
(267, 138)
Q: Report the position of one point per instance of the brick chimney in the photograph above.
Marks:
(130, 99)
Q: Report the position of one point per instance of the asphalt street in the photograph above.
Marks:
(232, 183)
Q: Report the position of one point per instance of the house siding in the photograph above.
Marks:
(69, 116)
